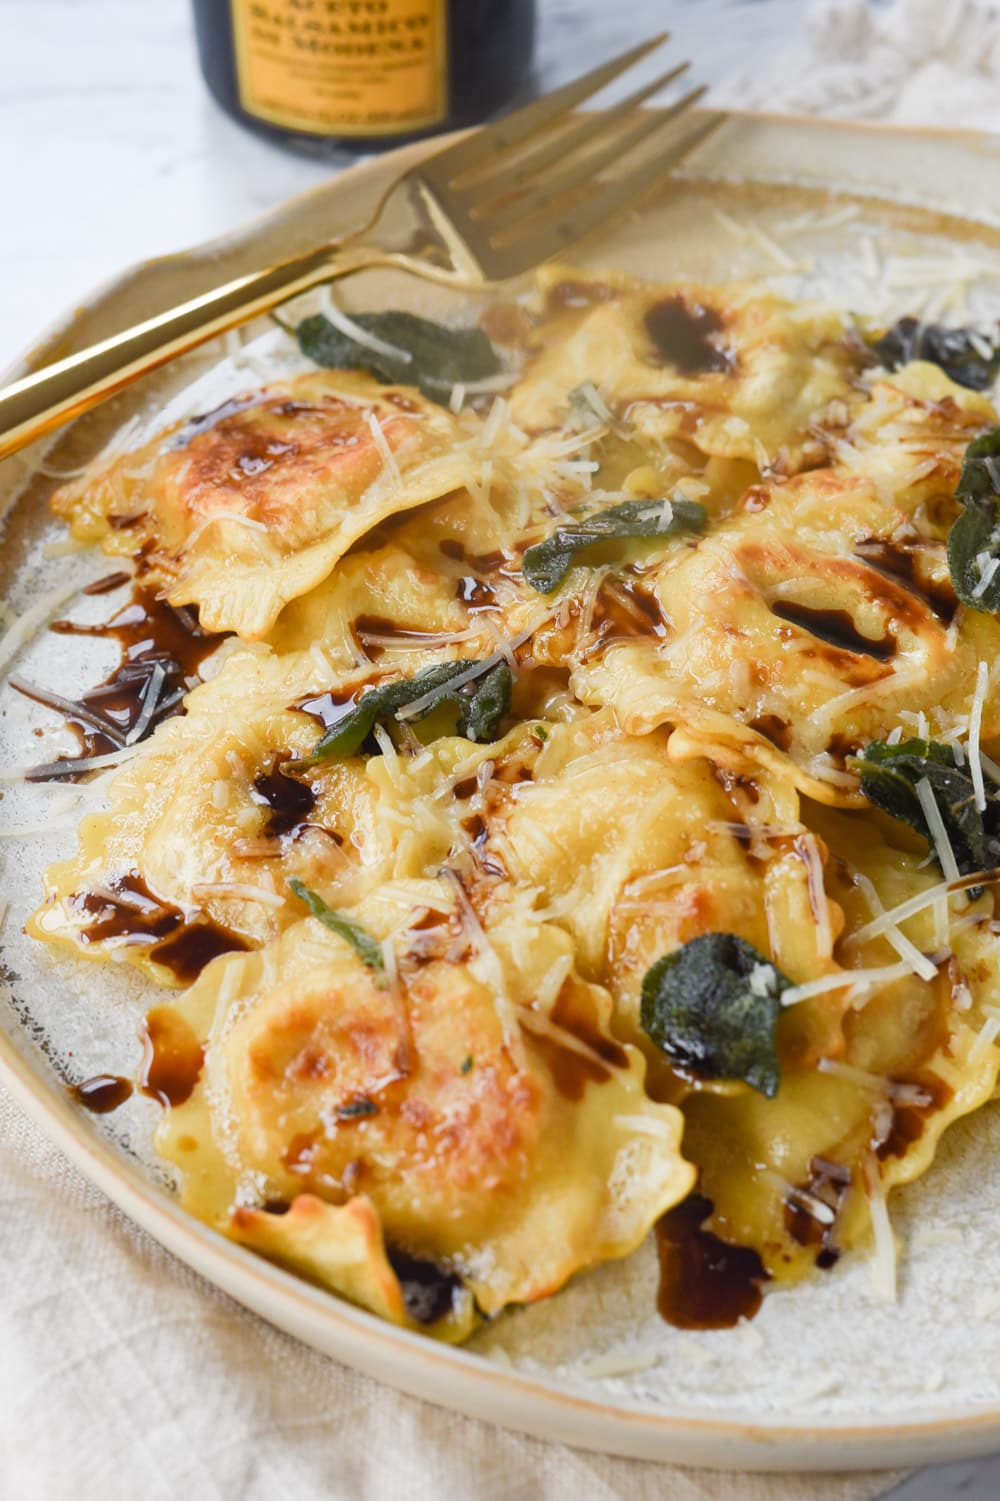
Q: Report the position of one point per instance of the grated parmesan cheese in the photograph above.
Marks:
(883, 1264)
(416, 707)
(70, 766)
(905, 948)
(149, 703)
(41, 826)
(730, 225)
(241, 890)
(597, 405)
(771, 248)
(31, 621)
(987, 568)
(382, 444)
(389, 959)
(807, 848)
(920, 902)
(354, 331)
(646, 1125)
(492, 969)
(66, 547)
(985, 1038)
(989, 766)
(762, 978)
(499, 416)
(236, 516)
(623, 1363)
(390, 757)
(855, 979)
(975, 726)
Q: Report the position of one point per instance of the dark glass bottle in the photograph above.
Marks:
(362, 75)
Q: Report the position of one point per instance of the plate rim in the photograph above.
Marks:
(365, 1342)
(448, 1376)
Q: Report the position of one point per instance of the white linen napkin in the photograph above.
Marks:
(123, 1374)
(912, 62)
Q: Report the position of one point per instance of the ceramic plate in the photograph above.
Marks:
(826, 1375)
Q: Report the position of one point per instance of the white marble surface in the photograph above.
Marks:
(111, 151)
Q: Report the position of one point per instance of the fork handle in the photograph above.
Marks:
(53, 395)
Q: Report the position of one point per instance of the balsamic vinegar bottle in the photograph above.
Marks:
(362, 75)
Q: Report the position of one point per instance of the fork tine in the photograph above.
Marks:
(543, 241)
(527, 169)
(480, 149)
(586, 170)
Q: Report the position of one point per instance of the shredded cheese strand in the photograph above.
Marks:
(28, 624)
(845, 979)
(387, 455)
(905, 948)
(919, 903)
(975, 727)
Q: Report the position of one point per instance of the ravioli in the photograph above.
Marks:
(730, 371)
(203, 829)
(793, 1176)
(801, 628)
(415, 960)
(252, 505)
(475, 1101)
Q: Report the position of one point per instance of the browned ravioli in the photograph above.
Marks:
(596, 801)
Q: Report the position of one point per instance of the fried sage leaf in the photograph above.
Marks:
(363, 943)
(483, 702)
(974, 555)
(484, 705)
(980, 477)
(546, 564)
(439, 357)
(970, 359)
(974, 538)
(890, 775)
(712, 1006)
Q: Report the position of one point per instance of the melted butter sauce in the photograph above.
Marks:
(476, 594)
(574, 1012)
(126, 908)
(288, 800)
(773, 728)
(152, 635)
(508, 323)
(328, 708)
(429, 1291)
(836, 628)
(908, 1122)
(900, 565)
(806, 1223)
(203, 423)
(173, 1057)
(684, 336)
(103, 1093)
(368, 631)
(623, 611)
(705, 1283)
(496, 561)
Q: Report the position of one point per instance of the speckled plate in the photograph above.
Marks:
(826, 1376)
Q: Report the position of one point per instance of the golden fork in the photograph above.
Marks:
(499, 201)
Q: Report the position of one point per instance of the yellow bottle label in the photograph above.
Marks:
(343, 67)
